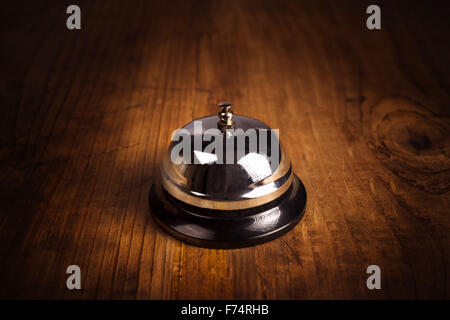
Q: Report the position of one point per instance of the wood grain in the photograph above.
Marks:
(87, 115)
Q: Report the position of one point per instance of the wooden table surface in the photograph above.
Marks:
(87, 115)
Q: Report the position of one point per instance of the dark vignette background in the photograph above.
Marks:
(86, 116)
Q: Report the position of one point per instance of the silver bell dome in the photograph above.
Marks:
(247, 166)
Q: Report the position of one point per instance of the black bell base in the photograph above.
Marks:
(230, 228)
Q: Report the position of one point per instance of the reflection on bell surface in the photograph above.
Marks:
(226, 182)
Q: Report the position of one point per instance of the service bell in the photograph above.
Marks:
(227, 182)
